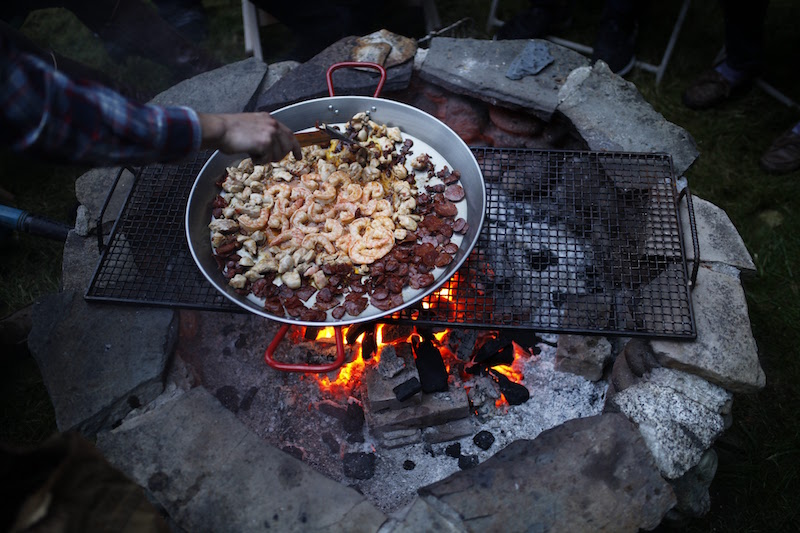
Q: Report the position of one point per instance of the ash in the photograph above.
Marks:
(555, 398)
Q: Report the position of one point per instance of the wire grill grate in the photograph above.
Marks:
(573, 242)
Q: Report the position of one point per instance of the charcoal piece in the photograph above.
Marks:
(294, 451)
(368, 345)
(525, 338)
(430, 366)
(311, 333)
(514, 393)
(247, 400)
(331, 442)
(453, 450)
(353, 332)
(465, 462)
(333, 410)
(353, 423)
(483, 440)
(499, 351)
(228, 397)
(408, 464)
(359, 465)
(407, 389)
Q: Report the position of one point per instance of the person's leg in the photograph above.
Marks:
(783, 155)
(538, 21)
(616, 36)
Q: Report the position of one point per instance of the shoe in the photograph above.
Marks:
(534, 23)
(783, 155)
(615, 45)
(709, 89)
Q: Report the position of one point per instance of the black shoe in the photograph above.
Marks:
(615, 45)
(535, 23)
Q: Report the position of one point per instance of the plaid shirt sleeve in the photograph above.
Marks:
(46, 114)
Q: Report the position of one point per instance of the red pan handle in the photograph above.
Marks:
(291, 367)
(353, 64)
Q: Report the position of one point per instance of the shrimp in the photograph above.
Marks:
(317, 213)
(278, 221)
(359, 227)
(325, 194)
(301, 221)
(344, 211)
(407, 221)
(293, 236)
(251, 224)
(339, 179)
(325, 169)
(333, 229)
(378, 208)
(311, 181)
(372, 190)
(368, 250)
(352, 192)
(279, 190)
(407, 206)
(310, 242)
(383, 222)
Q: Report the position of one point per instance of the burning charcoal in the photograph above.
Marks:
(355, 331)
(407, 389)
(359, 465)
(390, 364)
(408, 464)
(311, 333)
(525, 338)
(453, 450)
(514, 393)
(465, 462)
(432, 372)
(499, 351)
(333, 410)
(483, 440)
(368, 345)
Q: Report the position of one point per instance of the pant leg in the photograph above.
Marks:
(744, 33)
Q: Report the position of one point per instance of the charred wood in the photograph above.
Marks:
(407, 389)
(430, 366)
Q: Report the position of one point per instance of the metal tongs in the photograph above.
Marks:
(323, 135)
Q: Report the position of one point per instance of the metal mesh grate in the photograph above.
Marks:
(581, 242)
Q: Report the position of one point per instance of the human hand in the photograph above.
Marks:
(257, 134)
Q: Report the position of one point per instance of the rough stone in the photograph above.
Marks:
(678, 414)
(359, 465)
(380, 391)
(92, 189)
(99, 361)
(276, 71)
(610, 114)
(718, 239)
(583, 355)
(588, 474)
(449, 431)
(222, 487)
(390, 364)
(477, 68)
(238, 82)
(691, 489)
(423, 516)
(308, 80)
(79, 262)
(725, 351)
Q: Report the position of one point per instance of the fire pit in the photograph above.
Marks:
(578, 241)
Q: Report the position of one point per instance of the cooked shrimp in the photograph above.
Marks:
(318, 213)
(359, 226)
(325, 194)
(368, 250)
(251, 224)
(293, 236)
(352, 192)
(310, 242)
(344, 211)
(278, 221)
(333, 229)
(339, 179)
(383, 222)
(311, 181)
(300, 220)
(372, 190)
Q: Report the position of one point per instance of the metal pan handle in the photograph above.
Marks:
(291, 367)
(354, 64)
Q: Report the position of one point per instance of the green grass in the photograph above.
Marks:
(756, 487)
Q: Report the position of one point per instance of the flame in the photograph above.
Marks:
(327, 333)
(512, 372)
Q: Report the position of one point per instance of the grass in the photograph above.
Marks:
(756, 487)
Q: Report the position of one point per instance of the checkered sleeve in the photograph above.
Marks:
(47, 114)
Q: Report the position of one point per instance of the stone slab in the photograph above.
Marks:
(98, 361)
(679, 415)
(583, 355)
(478, 68)
(434, 409)
(725, 351)
(610, 114)
(308, 80)
(92, 189)
(718, 239)
(211, 473)
(79, 262)
(379, 389)
(228, 89)
(588, 474)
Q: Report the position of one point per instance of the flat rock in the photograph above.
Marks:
(98, 361)
(308, 80)
(610, 114)
(478, 68)
(433, 409)
(92, 189)
(679, 415)
(79, 262)
(228, 89)
(239, 483)
(725, 351)
(583, 355)
(718, 239)
(588, 474)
